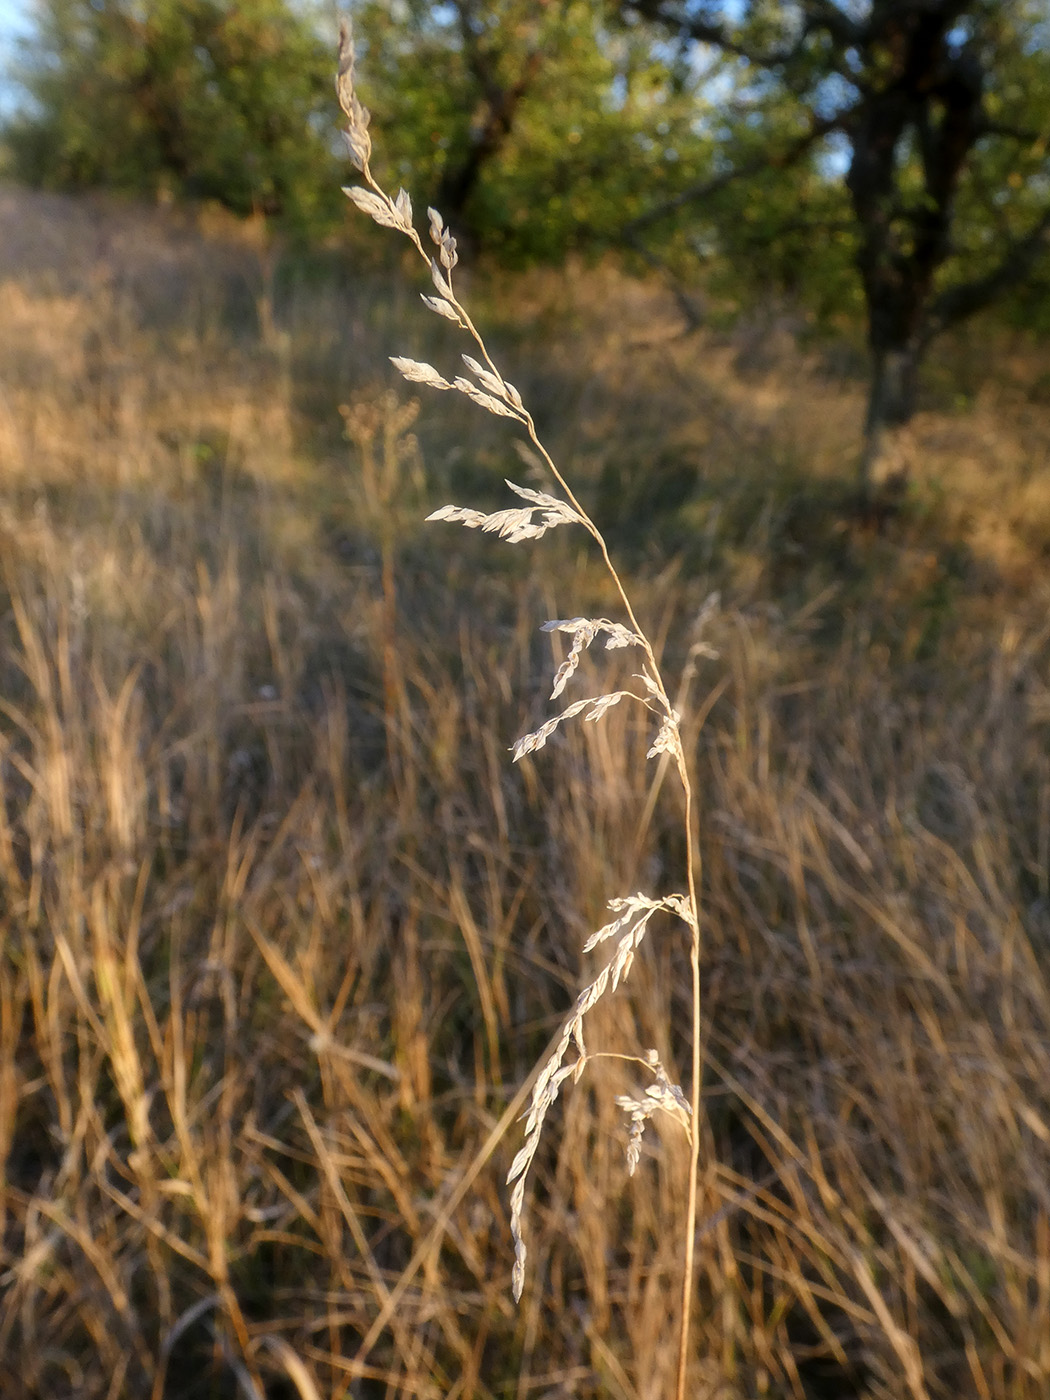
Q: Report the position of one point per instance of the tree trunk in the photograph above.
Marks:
(891, 404)
(493, 123)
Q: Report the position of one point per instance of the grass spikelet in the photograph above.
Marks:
(630, 927)
(596, 706)
(516, 524)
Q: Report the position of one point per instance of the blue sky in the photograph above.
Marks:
(14, 20)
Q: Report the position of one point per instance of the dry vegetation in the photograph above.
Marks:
(282, 933)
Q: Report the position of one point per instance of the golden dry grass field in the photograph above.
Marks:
(283, 932)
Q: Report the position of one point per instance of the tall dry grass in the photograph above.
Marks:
(282, 937)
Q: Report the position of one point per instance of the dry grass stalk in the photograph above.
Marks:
(491, 391)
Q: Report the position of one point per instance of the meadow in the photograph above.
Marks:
(283, 932)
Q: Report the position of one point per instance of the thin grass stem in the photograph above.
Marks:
(493, 392)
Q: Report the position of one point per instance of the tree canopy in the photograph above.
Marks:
(937, 113)
(207, 99)
(535, 126)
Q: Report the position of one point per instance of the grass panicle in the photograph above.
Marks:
(492, 392)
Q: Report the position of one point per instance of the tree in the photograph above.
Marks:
(533, 125)
(209, 99)
(938, 114)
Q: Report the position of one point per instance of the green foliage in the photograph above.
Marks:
(779, 232)
(547, 127)
(804, 87)
(1008, 189)
(201, 98)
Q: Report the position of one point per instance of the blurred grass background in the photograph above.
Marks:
(282, 932)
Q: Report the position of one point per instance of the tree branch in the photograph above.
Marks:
(777, 160)
(692, 315)
(958, 303)
(704, 31)
(822, 14)
(1009, 133)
